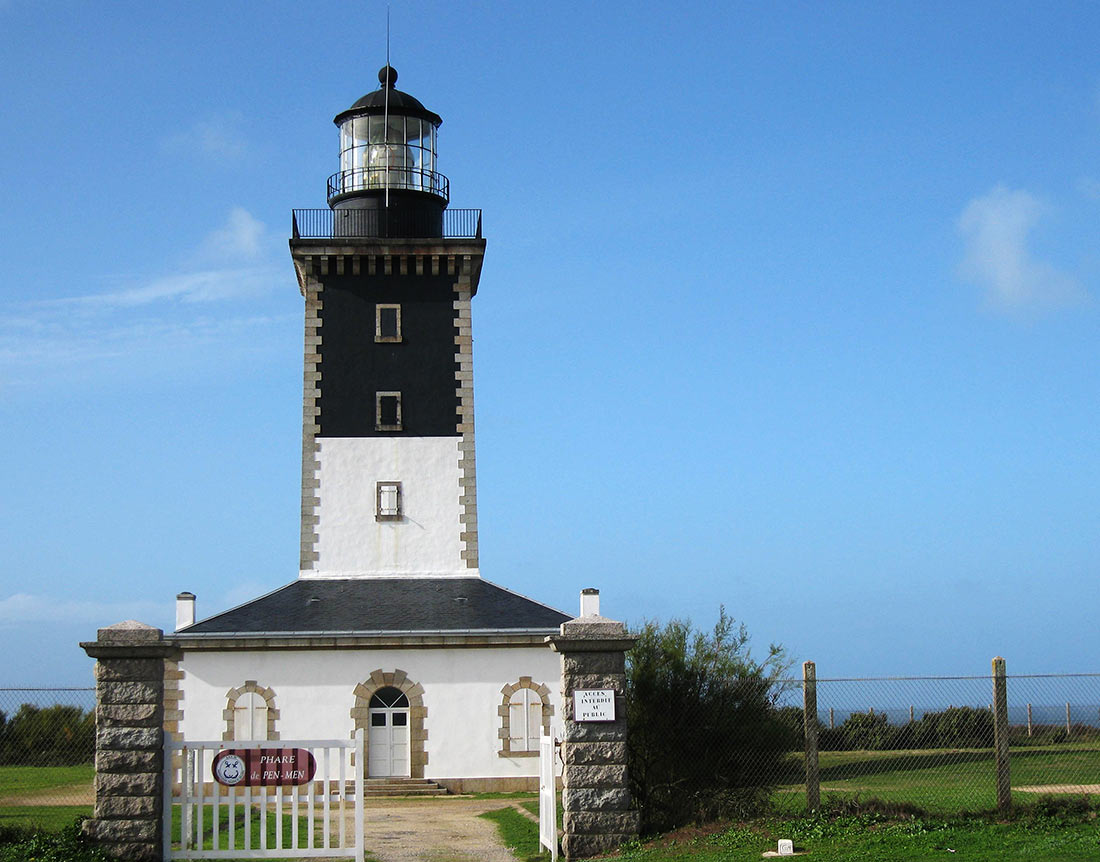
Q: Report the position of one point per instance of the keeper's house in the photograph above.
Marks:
(389, 626)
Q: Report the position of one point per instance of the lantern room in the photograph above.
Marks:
(388, 157)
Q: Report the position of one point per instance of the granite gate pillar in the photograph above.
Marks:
(598, 816)
(129, 740)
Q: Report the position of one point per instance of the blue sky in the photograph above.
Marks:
(787, 307)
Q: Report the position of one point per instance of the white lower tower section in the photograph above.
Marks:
(426, 540)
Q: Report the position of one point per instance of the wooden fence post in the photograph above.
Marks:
(1000, 736)
(1029, 719)
(809, 724)
(1069, 728)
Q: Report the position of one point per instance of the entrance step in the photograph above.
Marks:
(402, 787)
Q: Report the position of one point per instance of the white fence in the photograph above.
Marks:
(548, 798)
(206, 820)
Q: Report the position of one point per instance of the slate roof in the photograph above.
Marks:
(357, 605)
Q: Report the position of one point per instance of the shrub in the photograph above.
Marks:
(1052, 734)
(705, 738)
(860, 730)
(955, 727)
(69, 845)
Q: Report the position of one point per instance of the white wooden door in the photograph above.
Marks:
(388, 743)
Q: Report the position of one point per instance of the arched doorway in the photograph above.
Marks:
(388, 731)
(416, 732)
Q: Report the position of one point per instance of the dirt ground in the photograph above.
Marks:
(77, 794)
(441, 829)
(1059, 788)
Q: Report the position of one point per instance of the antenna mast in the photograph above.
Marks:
(386, 111)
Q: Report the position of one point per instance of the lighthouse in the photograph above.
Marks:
(388, 273)
(389, 626)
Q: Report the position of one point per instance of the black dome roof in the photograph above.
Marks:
(374, 102)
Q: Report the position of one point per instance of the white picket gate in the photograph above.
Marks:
(216, 822)
(548, 798)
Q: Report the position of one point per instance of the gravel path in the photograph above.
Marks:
(441, 829)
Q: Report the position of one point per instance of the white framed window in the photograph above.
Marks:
(525, 711)
(524, 720)
(387, 411)
(387, 501)
(387, 322)
(250, 718)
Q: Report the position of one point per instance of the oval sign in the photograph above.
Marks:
(263, 767)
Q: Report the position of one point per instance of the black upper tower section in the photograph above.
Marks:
(421, 365)
(387, 184)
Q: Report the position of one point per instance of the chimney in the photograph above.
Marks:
(590, 602)
(185, 610)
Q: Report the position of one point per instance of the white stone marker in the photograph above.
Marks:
(786, 847)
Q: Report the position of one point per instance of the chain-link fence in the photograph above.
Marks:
(932, 742)
(938, 744)
(942, 745)
(47, 754)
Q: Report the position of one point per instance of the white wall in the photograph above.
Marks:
(427, 541)
(314, 696)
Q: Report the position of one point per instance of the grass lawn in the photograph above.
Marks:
(41, 786)
(50, 818)
(23, 780)
(518, 834)
(861, 838)
(944, 781)
(244, 816)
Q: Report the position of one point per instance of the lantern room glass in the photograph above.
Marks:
(397, 152)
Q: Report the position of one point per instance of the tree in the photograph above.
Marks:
(49, 736)
(705, 738)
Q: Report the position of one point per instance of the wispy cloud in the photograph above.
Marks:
(219, 138)
(995, 228)
(25, 608)
(240, 237)
(190, 312)
(1089, 187)
(33, 347)
(205, 286)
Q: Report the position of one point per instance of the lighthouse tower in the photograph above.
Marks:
(389, 626)
(388, 273)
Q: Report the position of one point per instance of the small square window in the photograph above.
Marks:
(387, 322)
(388, 496)
(387, 411)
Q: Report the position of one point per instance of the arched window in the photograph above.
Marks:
(389, 698)
(250, 713)
(524, 720)
(525, 714)
(249, 718)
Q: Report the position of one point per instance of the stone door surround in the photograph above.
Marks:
(418, 735)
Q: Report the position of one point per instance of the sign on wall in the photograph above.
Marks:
(594, 704)
(263, 767)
